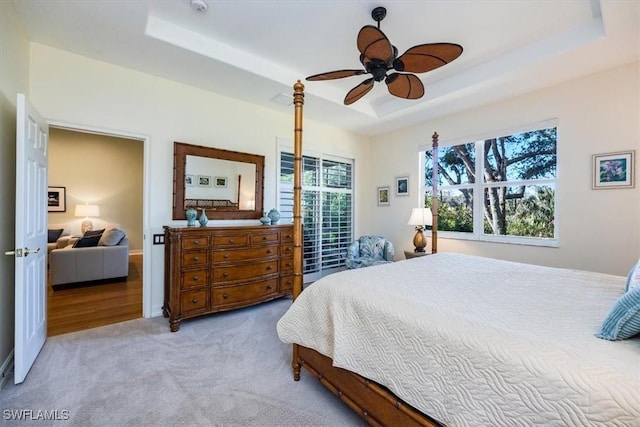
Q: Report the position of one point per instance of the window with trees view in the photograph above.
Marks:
(497, 189)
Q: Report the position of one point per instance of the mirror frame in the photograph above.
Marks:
(180, 152)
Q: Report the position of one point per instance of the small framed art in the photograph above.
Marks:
(613, 170)
(220, 182)
(402, 186)
(57, 199)
(189, 180)
(204, 181)
(383, 196)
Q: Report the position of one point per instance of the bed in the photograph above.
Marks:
(457, 340)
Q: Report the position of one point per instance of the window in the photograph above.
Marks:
(497, 189)
(327, 206)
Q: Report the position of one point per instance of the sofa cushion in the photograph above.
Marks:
(54, 234)
(112, 237)
(87, 241)
(90, 233)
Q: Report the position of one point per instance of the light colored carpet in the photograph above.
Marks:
(227, 369)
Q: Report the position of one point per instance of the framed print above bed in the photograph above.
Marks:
(57, 199)
(402, 186)
(613, 170)
(383, 196)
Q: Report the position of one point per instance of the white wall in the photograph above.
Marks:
(73, 89)
(599, 230)
(14, 78)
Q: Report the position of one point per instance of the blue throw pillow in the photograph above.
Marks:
(623, 320)
(633, 279)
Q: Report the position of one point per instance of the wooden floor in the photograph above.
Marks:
(83, 306)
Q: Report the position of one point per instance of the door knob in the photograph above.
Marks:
(18, 252)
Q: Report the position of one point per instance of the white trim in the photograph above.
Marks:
(6, 370)
(146, 203)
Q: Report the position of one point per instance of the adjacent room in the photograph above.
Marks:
(320, 213)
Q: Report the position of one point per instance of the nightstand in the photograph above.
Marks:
(412, 254)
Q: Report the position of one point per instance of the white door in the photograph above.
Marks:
(32, 147)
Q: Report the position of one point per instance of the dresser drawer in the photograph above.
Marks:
(231, 240)
(194, 258)
(231, 255)
(195, 242)
(265, 238)
(194, 301)
(286, 249)
(286, 236)
(195, 278)
(244, 272)
(286, 265)
(244, 293)
(286, 284)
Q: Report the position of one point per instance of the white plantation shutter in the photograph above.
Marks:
(327, 210)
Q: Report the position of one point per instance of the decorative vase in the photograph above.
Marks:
(265, 220)
(203, 220)
(191, 217)
(274, 215)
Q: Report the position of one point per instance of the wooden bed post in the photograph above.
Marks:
(298, 102)
(434, 197)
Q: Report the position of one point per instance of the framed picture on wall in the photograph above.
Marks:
(204, 181)
(220, 182)
(402, 186)
(189, 180)
(383, 196)
(57, 199)
(613, 170)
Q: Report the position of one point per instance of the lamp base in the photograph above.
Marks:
(419, 241)
(87, 225)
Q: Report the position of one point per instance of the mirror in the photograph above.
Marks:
(228, 184)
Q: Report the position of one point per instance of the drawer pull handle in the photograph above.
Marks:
(231, 240)
(289, 236)
(196, 278)
(195, 300)
(264, 237)
(225, 274)
(269, 251)
(289, 282)
(269, 287)
(289, 264)
(195, 258)
(269, 267)
(225, 256)
(288, 249)
(225, 296)
(196, 242)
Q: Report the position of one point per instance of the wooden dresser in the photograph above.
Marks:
(210, 269)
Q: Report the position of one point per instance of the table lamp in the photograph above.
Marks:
(420, 217)
(86, 211)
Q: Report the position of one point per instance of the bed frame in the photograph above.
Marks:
(374, 403)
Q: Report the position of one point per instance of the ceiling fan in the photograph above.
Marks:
(378, 56)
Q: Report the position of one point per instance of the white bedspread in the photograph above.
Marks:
(475, 341)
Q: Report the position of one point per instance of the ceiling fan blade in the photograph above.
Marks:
(427, 57)
(358, 92)
(340, 74)
(373, 44)
(406, 86)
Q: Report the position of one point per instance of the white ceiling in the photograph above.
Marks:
(255, 50)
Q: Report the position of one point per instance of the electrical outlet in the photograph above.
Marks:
(158, 239)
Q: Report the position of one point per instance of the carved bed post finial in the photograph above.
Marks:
(434, 197)
(298, 102)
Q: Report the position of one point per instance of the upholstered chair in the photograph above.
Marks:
(368, 251)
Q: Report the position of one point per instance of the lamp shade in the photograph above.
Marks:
(87, 210)
(421, 217)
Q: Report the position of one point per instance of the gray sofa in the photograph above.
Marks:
(83, 264)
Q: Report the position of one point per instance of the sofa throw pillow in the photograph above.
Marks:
(90, 233)
(623, 320)
(87, 241)
(112, 237)
(633, 279)
(54, 235)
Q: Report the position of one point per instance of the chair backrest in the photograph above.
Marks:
(372, 247)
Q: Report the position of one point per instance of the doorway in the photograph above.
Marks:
(108, 170)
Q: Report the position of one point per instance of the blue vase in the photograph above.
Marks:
(274, 215)
(191, 217)
(265, 220)
(203, 220)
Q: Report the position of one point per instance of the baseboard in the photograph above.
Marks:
(156, 311)
(6, 370)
